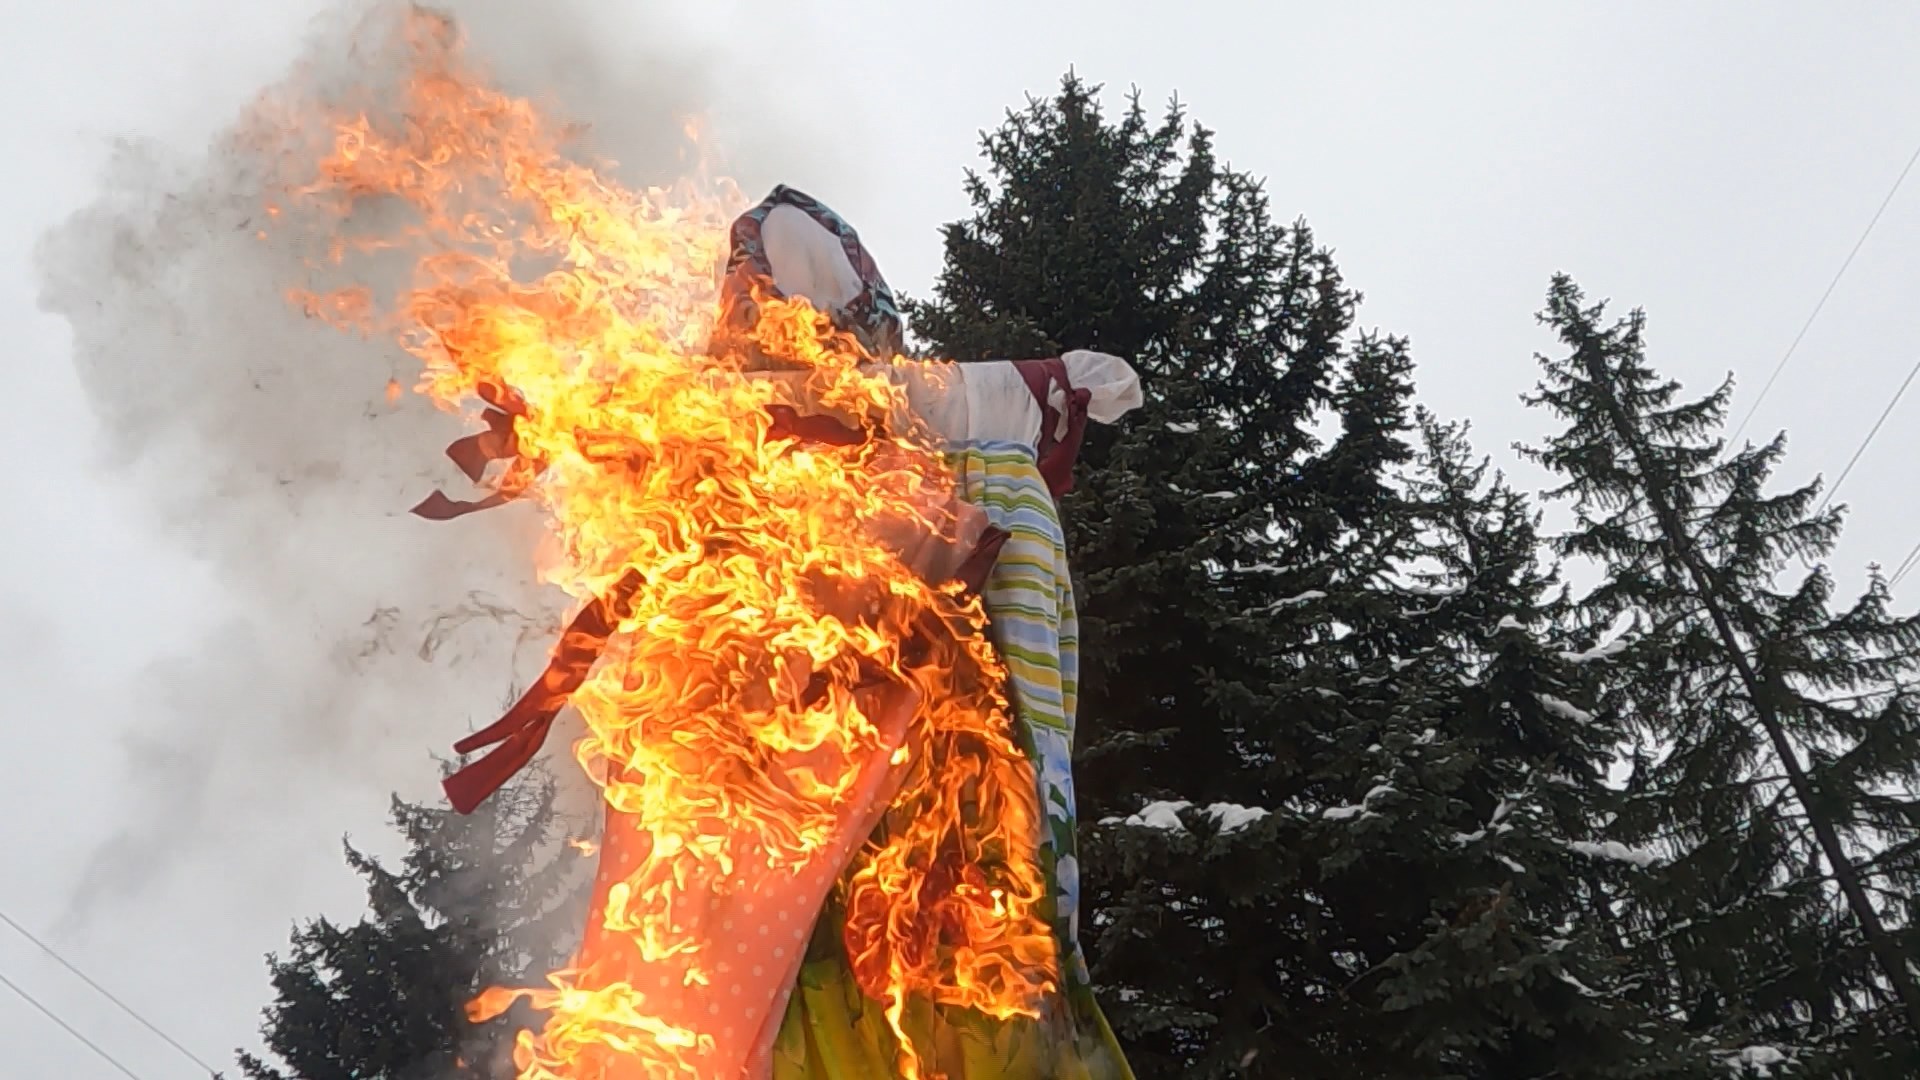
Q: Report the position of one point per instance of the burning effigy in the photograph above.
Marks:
(824, 646)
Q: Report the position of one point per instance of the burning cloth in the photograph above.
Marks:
(1009, 432)
(825, 643)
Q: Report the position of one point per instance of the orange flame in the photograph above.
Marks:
(729, 718)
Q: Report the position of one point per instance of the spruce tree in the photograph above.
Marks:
(1278, 751)
(479, 901)
(1493, 953)
(1779, 745)
(1206, 535)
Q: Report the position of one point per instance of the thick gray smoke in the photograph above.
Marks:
(263, 443)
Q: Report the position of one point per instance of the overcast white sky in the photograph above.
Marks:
(1712, 162)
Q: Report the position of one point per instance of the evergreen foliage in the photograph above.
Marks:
(478, 901)
(1346, 801)
(1778, 747)
(1365, 790)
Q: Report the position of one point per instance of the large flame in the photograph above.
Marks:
(763, 613)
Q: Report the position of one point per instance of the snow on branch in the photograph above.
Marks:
(1432, 592)
(1304, 598)
(1165, 815)
(1361, 809)
(1759, 1059)
(1564, 709)
(1599, 652)
(1615, 851)
(1232, 817)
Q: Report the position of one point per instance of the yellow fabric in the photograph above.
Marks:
(832, 1032)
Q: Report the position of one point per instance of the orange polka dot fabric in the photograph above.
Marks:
(751, 926)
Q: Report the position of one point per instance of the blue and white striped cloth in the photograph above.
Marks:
(1029, 602)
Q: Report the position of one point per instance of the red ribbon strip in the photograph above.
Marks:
(789, 424)
(1055, 455)
(437, 507)
(474, 452)
(497, 443)
(518, 735)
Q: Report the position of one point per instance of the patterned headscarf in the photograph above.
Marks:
(873, 315)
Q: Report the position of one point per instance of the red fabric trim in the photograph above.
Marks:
(498, 443)
(973, 572)
(1055, 456)
(518, 735)
(789, 424)
(502, 397)
(473, 453)
(524, 728)
(437, 507)
(470, 786)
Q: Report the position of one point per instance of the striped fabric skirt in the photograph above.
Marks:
(831, 1030)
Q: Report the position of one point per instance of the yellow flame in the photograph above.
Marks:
(735, 698)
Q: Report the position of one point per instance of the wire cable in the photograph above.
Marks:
(1868, 441)
(68, 1028)
(1905, 567)
(108, 994)
(1808, 325)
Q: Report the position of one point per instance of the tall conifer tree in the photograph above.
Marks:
(1207, 533)
(1780, 747)
(1494, 953)
(483, 900)
(1283, 736)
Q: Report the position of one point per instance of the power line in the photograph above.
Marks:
(1868, 441)
(1808, 325)
(1905, 567)
(68, 1028)
(105, 993)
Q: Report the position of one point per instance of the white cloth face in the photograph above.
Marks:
(808, 260)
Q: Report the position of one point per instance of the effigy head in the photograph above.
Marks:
(792, 246)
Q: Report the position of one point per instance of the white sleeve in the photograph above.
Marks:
(1112, 385)
(990, 401)
(1000, 408)
(936, 393)
(807, 260)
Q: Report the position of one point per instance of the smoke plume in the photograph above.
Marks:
(263, 443)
